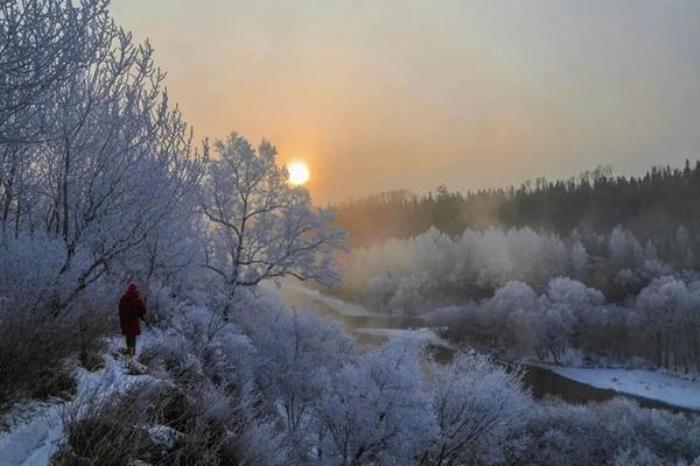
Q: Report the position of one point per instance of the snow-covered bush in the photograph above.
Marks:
(290, 347)
(476, 406)
(637, 456)
(375, 410)
(618, 430)
(174, 355)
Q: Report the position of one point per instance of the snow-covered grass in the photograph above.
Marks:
(644, 383)
(35, 429)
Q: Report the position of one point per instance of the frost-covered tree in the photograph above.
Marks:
(375, 410)
(102, 162)
(293, 346)
(573, 298)
(625, 249)
(476, 406)
(668, 310)
(261, 227)
(514, 296)
(579, 260)
(42, 44)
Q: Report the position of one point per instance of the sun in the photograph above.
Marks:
(299, 173)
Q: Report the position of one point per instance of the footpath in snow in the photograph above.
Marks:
(36, 429)
(643, 383)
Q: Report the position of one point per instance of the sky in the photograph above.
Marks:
(377, 95)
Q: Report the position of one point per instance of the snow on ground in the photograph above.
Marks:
(643, 383)
(36, 429)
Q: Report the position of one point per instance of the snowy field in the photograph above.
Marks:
(647, 384)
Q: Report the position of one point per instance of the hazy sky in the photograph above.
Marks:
(382, 94)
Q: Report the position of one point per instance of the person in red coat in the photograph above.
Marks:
(131, 309)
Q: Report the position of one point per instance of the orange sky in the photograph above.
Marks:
(380, 95)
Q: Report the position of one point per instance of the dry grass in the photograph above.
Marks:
(91, 360)
(119, 430)
(34, 346)
(54, 383)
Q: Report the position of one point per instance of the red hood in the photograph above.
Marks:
(131, 294)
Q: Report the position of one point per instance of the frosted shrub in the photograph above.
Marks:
(214, 401)
(173, 354)
(375, 411)
(256, 442)
(637, 456)
(290, 347)
(476, 405)
(618, 430)
(228, 358)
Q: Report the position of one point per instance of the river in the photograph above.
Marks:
(370, 329)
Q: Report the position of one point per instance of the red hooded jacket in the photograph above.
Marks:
(131, 308)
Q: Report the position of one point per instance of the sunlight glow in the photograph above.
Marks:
(299, 173)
